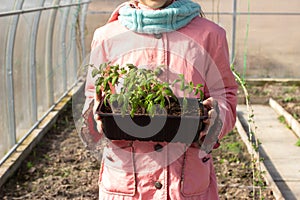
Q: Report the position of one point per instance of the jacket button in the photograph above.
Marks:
(157, 35)
(158, 147)
(158, 185)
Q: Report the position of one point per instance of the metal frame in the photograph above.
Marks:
(74, 41)
(11, 35)
(49, 55)
(233, 31)
(63, 30)
(82, 29)
(55, 6)
(32, 64)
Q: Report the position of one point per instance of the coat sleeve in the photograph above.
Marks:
(220, 82)
(97, 56)
(91, 132)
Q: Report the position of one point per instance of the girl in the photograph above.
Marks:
(174, 34)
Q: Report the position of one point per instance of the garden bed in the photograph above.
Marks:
(60, 168)
(287, 94)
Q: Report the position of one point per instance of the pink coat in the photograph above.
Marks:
(160, 170)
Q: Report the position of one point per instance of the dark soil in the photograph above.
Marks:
(61, 168)
(173, 107)
(234, 171)
(58, 168)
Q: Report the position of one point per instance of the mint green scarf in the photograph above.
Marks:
(175, 16)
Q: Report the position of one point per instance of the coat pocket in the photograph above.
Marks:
(117, 175)
(196, 174)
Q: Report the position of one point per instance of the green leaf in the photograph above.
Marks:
(95, 72)
(149, 96)
(201, 95)
(162, 103)
(141, 93)
(99, 81)
(199, 85)
(168, 92)
(105, 85)
(105, 99)
(175, 81)
(196, 91)
(187, 87)
(123, 71)
(114, 80)
(130, 66)
(113, 97)
(190, 89)
(150, 108)
(182, 86)
(98, 89)
(181, 76)
(120, 99)
(158, 71)
(159, 94)
(157, 99)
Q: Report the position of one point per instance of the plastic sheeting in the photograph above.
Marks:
(45, 55)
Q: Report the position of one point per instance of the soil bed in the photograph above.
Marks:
(60, 168)
(287, 95)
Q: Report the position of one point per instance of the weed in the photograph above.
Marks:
(29, 165)
(292, 89)
(47, 157)
(222, 160)
(298, 143)
(234, 147)
(281, 119)
(289, 99)
(295, 115)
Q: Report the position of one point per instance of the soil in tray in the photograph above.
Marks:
(174, 108)
(175, 126)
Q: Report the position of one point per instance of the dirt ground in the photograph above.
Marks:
(60, 168)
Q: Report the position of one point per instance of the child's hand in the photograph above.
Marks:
(210, 104)
(98, 101)
(99, 123)
(213, 125)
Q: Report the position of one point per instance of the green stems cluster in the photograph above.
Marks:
(139, 88)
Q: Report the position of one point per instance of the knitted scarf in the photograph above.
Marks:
(173, 17)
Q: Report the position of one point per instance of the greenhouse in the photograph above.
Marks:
(45, 55)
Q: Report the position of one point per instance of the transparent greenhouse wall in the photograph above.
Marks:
(22, 72)
(41, 72)
(4, 24)
(272, 46)
(273, 40)
(44, 62)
